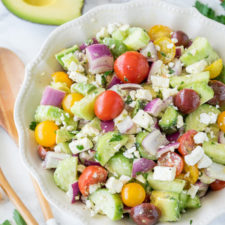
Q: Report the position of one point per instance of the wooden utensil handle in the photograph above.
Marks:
(30, 220)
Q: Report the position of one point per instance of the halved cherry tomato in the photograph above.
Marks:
(62, 77)
(91, 175)
(131, 67)
(221, 121)
(133, 194)
(172, 159)
(215, 68)
(69, 100)
(108, 105)
(45, 133)
(187, 143)
(217, 185)
(166, 49)
(159, 31)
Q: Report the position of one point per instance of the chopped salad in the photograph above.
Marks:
(134, 123)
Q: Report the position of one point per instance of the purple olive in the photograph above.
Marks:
(182, 38)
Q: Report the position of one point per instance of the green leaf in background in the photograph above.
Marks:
(6, 223)
(223, 4)
(18, 218)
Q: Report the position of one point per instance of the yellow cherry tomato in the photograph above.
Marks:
(45, 133)
(166, 49)
(69, 100)
(133, 194)
(221, 121)
(62, 77)
(215, 68)
(159, 31)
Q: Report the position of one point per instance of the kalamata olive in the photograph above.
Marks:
(145, 214)
(182, 38)
(219, 93)
(42, 152)
(187, 100)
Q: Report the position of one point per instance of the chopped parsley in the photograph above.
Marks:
(103, 81)
(128, 100)
(108, 73)
(33, 125)
(80, 147)
(191, 221)
(89, 42)
(182, 82)
(163, 54)
(116, 137)
(6, 222)
(125, 79)
(171, 71)
(149, 54)
(18, 218)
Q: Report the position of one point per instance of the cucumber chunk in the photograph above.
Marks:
(182, 201)
(176, 185)
(64, 147)
(108, 144)
(119, 34)
(193, 119)
(181, 81)
(215, 151)
(193, 203)
(169, 120)
(63, 135)
(168, 203)
(66, 173)
(120, 165)
(83, 88)
(110, 204)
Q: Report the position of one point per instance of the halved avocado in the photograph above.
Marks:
(53, 12)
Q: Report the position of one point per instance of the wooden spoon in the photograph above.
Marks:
(11, 78)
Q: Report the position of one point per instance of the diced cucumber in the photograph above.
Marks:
(182, 201)
(193, 120)
(63, 135)
(169, 120)
(48, 112)
(213, 133)
(85, 107)
(65, 148)
(193, 203)
(176, 185)
(168, 203)
(215, 151)
(110, 204)
(120, 165)
(60, 86)
(108, 144)
(66, 173)
(137, 38)
(83, 88)
(184, 80)
(200, 49)
(119, 34)
(64, 52)
(205, 92)
(145, 154)
(139, 105)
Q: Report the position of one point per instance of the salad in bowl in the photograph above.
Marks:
(133, 124)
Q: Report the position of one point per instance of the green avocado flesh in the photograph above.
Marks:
(52, 12)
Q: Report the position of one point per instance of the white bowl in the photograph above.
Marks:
(144, 13)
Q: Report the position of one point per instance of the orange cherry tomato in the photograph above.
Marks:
(217, 185)
(62, 77)
(45, 133)
(133, 194)
(215, 68)
(91, 175)
(159, 31)
(69, 100)
(221, 121)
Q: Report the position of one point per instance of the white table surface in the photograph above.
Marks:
(25, 39)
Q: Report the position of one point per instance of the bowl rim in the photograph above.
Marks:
(43, 50)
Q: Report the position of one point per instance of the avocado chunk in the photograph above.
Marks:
(63, 135)
(200, 49)
(45, 11)
(83, 88)
(168, 203)
(108, 145)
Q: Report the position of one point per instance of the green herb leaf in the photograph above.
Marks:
(128, 100)
(33, 125)
(163, 54)
(171, 71)
(125, 79)
(103, 81)
(108, 73)
(80, 147)
(6, 223)
(89, 42)
(18, 218)
(116, 137)
(223, 4)
(191, 221)
(149, 54)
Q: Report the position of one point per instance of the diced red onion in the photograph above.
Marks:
(74, 192)
(155, 69)
(189, 43)
(130, 86)
(142, 165)
(126, 209)
(177, 67)
(115, 80)
(107, 125)
(168, 148)
(203, 188)
(168, 101)
(178, 52)
(155, 106)
(125, 125)
(52, 96)
(84, 45)
(91, 163)
(173, 137)
(221, 138)
(99, 58)
(153, 141)
(216, 171)
(150, 48)
(87, 156)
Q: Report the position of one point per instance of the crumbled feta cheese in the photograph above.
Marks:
(157, 47)
(160, 82)
(102, 33)
(124, 27)
(114, 185)
(137, 154)
(174, 40)
(144, 94)
(208, 118)
(192, 158)
(143, 119)
(204, 162)
(197, 67)
(112, 27)
(125, 125)
(124, 179)
(94, 187)
(77, 146)
(132, 104)
(140, 178)
(164, 173)
(192, 191)
(131, 141)
(169, 46)
(88, 130)
(80, 168)
(117, 147)
(132, 94)
(157, 68)
(180, 121)
(167, 92)
(98, 79)
(200, 137)
(121, 117)
(193, 51)
(129, 153)
(75, 67)
(171, 64)
(76, 118)
(57, 148)
(78, 77)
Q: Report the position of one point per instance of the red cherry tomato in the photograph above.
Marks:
(187, 143)
(91, 175)
(172, 159)
(131, 67)
(217, 185)
(108, 105)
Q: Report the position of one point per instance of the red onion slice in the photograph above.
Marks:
(155, 69)
(221, 138)
(74, 192)
(91, 163)
(107, 126)
(155, 106)
(177, 67)
(202, 190)
(150, 52)
(168, 148)
(173, 137)
(178, 52)
(85, 45)
(142, 165)
(115, 80)
(130, 86)
(216, 171)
